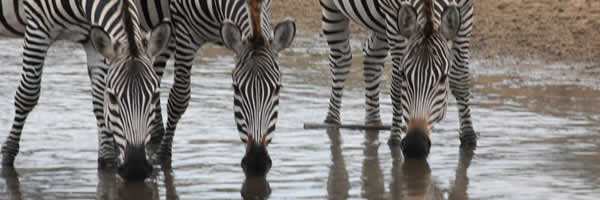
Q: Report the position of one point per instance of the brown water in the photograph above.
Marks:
(539, 137)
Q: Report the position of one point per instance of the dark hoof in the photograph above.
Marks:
(396, 152)
(376, 122)
(155, 140)
(108, 163)
(163, 158)
(166, 165)
(331, 120)
(394, 141)
(8, 172)
(468, 142)
(156, 137)
(7, 161)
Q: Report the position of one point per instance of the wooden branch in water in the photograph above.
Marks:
(346, 126)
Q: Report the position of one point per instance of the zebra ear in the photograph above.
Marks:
(450, 23)
(102, 42)
(231, 36)
(407, 21)
(284, 34)
(159, 38)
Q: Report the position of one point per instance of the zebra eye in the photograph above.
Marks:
(112, 98)
(443, 78)
(156, 96)
(145, 42)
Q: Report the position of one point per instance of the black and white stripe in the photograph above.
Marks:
(107, 29)
(381, 18)
(256, 76)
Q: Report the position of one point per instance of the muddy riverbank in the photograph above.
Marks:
(552, 30)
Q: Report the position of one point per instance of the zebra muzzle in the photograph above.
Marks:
(257, 161)
(416, 144)
(135, 166)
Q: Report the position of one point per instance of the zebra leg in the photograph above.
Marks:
(459, 74)
(336, 31)
(397, 48)
(376, 50)
(397, 117)
(159, 67)
(459, 85)
(107, 151)
(35, 46)
(179, 96)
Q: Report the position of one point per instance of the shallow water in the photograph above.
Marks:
(539, 138)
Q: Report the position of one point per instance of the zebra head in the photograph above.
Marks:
(256, 84)
(132, 88)
(424, 73)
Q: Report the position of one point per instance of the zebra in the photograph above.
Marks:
(124, 84)
(397, 27)
(242, 26)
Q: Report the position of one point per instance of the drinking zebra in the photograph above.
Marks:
(242, 26)
(429, 45)
(124, 92)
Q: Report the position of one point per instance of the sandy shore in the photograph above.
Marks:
(551, 30)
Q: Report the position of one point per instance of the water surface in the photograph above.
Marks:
(539, 137)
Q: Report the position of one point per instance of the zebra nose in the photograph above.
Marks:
(416, 144)
(257, 161)
(135, 165)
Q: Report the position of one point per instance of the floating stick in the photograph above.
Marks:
(347, 126)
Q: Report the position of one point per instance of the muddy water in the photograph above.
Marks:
(539, 137)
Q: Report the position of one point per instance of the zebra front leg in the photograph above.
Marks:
(35, 46)
(460, 77)
(107, 151)
(336, 31)
(160, 63)
(376, 50)
(397, 48)
(179, 97)
(460, 87)
(397, 117)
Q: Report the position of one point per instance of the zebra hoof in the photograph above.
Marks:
(394, 141)
(156, 137)
(164, 159)
(468, 142)
(107, 163)
(396, 152)
(331, 120)
(376, 122)
(7, 161)
(9, 172)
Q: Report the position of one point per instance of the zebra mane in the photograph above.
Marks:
(427, 10)
(255, 7)
(129, 26)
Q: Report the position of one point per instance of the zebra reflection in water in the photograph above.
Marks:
(410, 178)
(429, 45)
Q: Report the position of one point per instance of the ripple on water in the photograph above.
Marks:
(538, 140)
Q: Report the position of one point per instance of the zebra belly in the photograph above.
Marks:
(11, 18)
